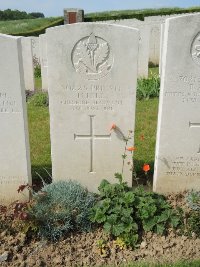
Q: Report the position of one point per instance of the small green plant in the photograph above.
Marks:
(148, 88)
(37, 70)
(119, 243)
(124, 212)
(61, 207)
(153, 65)
(39, 99)
(114, 210)
(103, 248)
(193, 220)
(193, 200)
(193, 223)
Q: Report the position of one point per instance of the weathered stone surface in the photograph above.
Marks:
(143, 56)
(154, 23)
(92, 74)
(43, 61)
(14, 152)
(161, 46)
(28, 67)
(144, 39)
(177, 162)
(35, 50)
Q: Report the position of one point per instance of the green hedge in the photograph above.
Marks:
(137, 14)
(114, 17)
(39, 31)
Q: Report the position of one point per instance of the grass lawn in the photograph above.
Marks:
(38, 83)
(39, 134)
(24, 25)
(153, 71)
(145, 133)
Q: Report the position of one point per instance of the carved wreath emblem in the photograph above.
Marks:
(92, 57)
(195, 49)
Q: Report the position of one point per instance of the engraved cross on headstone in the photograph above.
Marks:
(92, 137)
(195, 125)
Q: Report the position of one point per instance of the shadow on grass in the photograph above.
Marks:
(41, 175)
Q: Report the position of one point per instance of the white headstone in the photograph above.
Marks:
(144, 39)
(143, 57)
(43, 61)
(35, 50)
(177, 162)
(14, 152)
(161, 46)
(92, 73)
(28, 67)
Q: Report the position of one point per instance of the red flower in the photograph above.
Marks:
(113, 127)
(132, 148)
(146, 167)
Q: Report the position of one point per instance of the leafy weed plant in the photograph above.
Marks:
(125, 213)
(148, 88)
(39, 100)
(193, 223)
(37, 71)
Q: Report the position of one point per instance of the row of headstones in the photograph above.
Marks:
(34, 49)
(150, 32)
(92, 75)
(34, 55)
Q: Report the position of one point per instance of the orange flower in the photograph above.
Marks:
(146, 167)
(113, 127)
(132, 148)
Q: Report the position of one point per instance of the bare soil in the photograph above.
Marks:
(81, 249)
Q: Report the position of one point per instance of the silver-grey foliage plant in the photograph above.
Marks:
(60, 208)
(193, 200)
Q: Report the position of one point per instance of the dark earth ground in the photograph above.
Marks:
(80, 249)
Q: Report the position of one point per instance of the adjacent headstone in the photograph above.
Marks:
(14, 152)
(28, 67)
(143, 56)
(161, 47)
(177, 162)
(35, 50)
(144, 39)
(73, 15)
(92, 73)
(43, 61)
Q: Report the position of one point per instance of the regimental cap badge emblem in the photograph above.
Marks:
(195, 49)
(92, 57)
